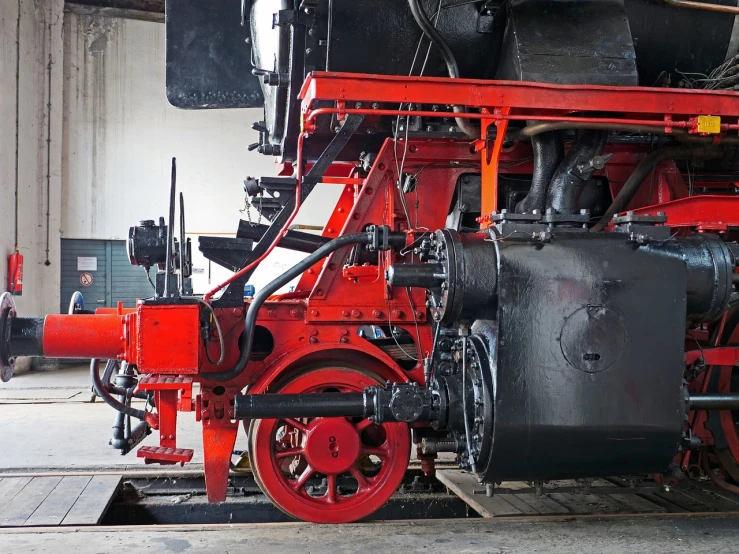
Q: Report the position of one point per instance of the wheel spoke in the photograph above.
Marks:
(331, 488)
(380, 452)
(299, 426)
(359, 476)
(289, 453)
(303, 479)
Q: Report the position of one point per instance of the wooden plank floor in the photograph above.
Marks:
(54, 501)
(517, 499)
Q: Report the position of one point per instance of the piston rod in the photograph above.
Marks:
(714, 401)
(395, 402)
(324, 404)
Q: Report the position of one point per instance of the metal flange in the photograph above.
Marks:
(7, 313)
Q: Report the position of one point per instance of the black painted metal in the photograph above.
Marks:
(208, 56)
(548, 154)
(415, 275)
(709, 266)
(293, 240)
(568, 182)
(228, 252)
(25, 337)
(328, 404)
(552, 41)
(147, 243)
(576, 348)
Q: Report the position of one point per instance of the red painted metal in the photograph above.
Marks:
(219, 439)
(168, 338)
(375, 457)
(723, 355)
(87, 336)
(318, 324)
(15, 273)
(517, 95)
(165, 456)
(703, 213)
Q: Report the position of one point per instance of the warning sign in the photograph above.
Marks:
(86, 279)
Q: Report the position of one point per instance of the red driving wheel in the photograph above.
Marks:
(328, 469)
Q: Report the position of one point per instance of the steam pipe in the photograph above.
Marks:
(632, 184)
(548, 153)
(568, 180)
(451, 63)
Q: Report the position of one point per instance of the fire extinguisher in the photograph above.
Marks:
(15, 273)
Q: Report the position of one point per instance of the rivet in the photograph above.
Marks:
(313, 332)
(314, 312)
(344, 331)
(345, 313)
(294, 312)
(356, 313)
(313, 340)
(272, 312)
(376, 313)
(344, 339)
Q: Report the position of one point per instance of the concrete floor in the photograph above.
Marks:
(47, 421)
(670, 535)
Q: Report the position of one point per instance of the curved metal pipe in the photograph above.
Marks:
(632, 184)
(259, 299)
(680, 135)
(568, 180)
(451, 63)
(705, 6)
(548, 153)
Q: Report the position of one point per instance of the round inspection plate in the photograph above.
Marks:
(7, 311)
(593, 338)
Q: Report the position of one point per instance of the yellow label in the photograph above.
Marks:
(709, 124)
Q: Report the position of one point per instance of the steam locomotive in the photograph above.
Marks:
(538, 220)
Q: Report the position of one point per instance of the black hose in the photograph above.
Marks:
(103, 393)
(632, 184)
(259, 299)
(548, 153)
(452, 68)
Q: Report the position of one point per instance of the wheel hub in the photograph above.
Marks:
(332, 445)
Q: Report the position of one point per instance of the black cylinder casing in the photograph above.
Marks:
(147, 244)
(583, 337)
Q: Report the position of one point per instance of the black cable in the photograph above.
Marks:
(260, 298)
(451, 63)
(103, 393)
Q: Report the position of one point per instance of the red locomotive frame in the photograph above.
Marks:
(316, 327)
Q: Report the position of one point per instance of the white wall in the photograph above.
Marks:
(120, 134)
(40, 37)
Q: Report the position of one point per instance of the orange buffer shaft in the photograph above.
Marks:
(106, 336)
(88, 336)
